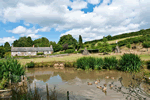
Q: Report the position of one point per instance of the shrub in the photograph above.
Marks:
(69, 50)
(146, 44)
(61, 52)
(31, 64)
(7, 54)
(98, 63)
(148, 64)
(87, 63)
(14, 67)
(110, 63)
(40, 53)
(75, 52)
(128, 45)
(130, 62)
(79, 51)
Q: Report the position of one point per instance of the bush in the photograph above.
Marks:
(130, 62)
(7, 54)
(79, 51)
(40, 53)
(146, 44)
(110, 63)
(31, 64)
(75, 52)
(148, 64)
(99, 63)
(69, 50)
(128, 45)
(61, 52)
(14, 67)
(87, 63)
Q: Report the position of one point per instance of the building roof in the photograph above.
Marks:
(31, 49)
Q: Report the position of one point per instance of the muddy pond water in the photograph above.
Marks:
(75, 82)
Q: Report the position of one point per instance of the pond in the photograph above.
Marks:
(75, 82)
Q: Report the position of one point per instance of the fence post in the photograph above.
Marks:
(35, 89)
(67, 95)
(47, 91)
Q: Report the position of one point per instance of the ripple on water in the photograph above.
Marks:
(76, 83)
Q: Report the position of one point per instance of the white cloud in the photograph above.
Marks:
(22, 31)
(93, 1)
(7, 39)
(78, 4)
(119, 16)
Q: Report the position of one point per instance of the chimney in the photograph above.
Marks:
(33, 46)
(50, 46)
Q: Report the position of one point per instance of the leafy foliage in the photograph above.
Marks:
(130, 63)
(65, 46)
(7, 47)
(40, 53)
(2, 52)
(67, 39)
(105, 47)
(14, 67)
(146, 44)
(69, 50)
(141, 32)
(23, 42)
(41, 42)
(128, 45)
(110, 63)
(31, 64)
(80, 40)
(7, 54)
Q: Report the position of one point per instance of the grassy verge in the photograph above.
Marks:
(72, 58)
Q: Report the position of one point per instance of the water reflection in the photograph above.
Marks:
(76, 82)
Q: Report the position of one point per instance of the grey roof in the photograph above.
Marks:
(31, 49)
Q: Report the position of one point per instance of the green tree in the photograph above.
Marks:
(41, 42)
(23, 42)
(105, 46)
(109, 37)
(80, 40)
(7, 47)
(29, 42)
(65, 46)
(2, 52)
(67, 39)
(53, 44)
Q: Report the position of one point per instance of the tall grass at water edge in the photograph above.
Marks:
(128, 62)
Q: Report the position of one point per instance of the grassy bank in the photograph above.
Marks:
(73, 57)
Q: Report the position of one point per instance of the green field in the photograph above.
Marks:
(73, 57)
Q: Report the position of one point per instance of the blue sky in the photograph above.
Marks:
(92, 19)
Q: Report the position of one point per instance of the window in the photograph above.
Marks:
(18, 52)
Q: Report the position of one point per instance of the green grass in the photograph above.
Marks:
(74, 57)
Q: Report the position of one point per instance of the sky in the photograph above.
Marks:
(92, 19)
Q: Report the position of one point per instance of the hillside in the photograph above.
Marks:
(121, 36)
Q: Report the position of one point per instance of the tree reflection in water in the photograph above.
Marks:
(134, 91)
